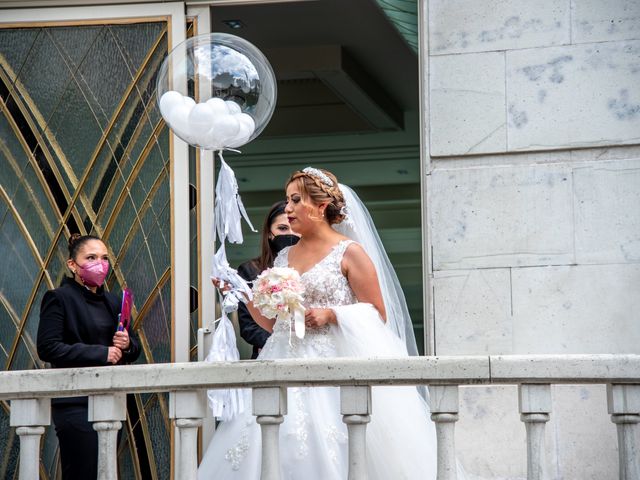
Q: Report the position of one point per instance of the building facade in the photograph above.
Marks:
(504, 178)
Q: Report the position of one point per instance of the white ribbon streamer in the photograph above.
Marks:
(228, 402)
(221, 270)
(298, 322)
(229, 209)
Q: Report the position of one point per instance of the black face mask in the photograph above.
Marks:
(278, 242)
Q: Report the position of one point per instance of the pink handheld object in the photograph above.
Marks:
(125, 310)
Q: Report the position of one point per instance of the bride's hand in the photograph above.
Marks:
(319, 317)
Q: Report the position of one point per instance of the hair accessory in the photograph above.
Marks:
(314, 172)
(347, 220)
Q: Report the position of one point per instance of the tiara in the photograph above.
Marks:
(314, 172)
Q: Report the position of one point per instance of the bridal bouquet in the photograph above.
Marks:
(278, 292)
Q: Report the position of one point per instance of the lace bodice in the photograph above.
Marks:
(325, 285)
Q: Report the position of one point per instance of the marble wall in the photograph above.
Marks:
(512, 75)
(533, 192)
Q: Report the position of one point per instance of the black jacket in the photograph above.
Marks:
(249, 329)
(67, 335)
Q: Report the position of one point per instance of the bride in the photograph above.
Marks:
(354, 307)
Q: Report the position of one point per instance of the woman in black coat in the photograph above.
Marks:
(276, 234)
(79, 328)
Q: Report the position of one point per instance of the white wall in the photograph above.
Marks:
(533, 193)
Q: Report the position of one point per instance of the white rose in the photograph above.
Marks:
(277, 298)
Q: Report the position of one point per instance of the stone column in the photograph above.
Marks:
(107, 412)
(269, 407)
(30, 416)
(187, 408)
(535, 406)
(355, 407)
(623, 403)
(444, 412)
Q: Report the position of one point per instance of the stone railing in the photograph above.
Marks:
(30, 393)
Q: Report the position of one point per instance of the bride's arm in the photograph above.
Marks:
(264, 322)
(362, 277)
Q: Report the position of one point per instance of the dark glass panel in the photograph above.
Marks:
(104, 182)
(157, 327)
(108, 205)
(8, 332)
(125, 220)
(57, 266)
(18, 262)
(138, 267)
(161, 444)
(137, 42)
(72, 80)
(75, 42)
(126, 469)
(105, 75)
(24, 358)
(28, 208)
(45, 212)
(33, 319)
(9, 445)
(12, 154)
(159, 240)
(154, 166)
(50, 451)
(76, 130)
(15, 44)
(153, 214)
(193, 257)
(44, 77)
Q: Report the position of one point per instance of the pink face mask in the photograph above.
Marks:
(93, 273)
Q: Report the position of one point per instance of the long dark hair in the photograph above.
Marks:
(267, 255)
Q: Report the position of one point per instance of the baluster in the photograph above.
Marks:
(107, 412)
(535, 406)
(355, 407)
(187, 408)
(444, 412)
(269, 407)
(30, 416)
(623, 403)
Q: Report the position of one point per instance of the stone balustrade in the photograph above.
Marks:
(30, 391)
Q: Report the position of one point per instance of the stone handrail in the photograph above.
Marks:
(449, 370)
(30, 391)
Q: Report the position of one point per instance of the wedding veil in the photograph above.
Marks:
(359, 226)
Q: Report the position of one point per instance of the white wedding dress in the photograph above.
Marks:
(401, 441)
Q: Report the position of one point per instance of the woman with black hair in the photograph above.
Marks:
(276, 234)
(79, 328)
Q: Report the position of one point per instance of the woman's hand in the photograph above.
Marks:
(121, 340)
(114, 355)
(319, 317)
(225, 285)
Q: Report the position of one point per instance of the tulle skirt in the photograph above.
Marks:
(401, 441)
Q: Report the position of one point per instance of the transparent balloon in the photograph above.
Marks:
(216, 91)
